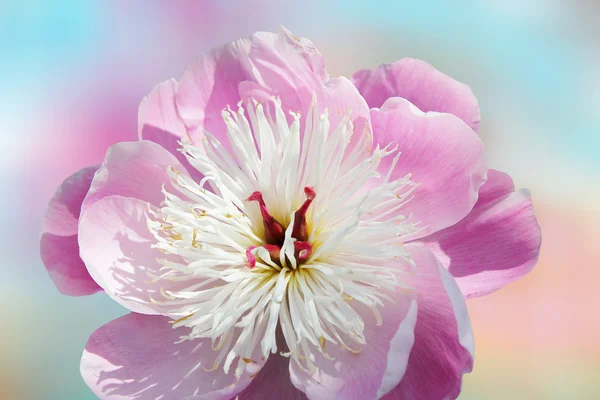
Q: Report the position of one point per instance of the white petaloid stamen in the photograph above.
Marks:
(356, 237)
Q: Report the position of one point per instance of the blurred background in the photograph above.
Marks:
(72, 75)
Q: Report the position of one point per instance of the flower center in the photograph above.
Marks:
(275, 233)
(252, 250)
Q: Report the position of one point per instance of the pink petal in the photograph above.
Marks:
(497, 243)
(280, 63)
(133, 169)
(135, 357)
(341, 97)
(115, 244)
(58, 244)
(422, 85)
(377, 369)
(273, 382)
(443, 346)
(158, 110)
(159, 122)
(262, 67)
(444, 156)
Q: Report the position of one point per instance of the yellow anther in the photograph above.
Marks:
(214, 367)
(181, 319)
(195, 244)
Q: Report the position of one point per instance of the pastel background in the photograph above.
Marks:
(72, 75)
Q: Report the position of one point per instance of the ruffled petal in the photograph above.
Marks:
(443, 155)
(136, 356)
(374, 370)
(278, 64)
(59, 249)
(133, 169)
(261, 67)
(422, 85)
(497, 243)
(340, 97)
(158, 111)
(159, 122)
(443, 346)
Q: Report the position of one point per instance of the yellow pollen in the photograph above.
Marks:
(195, 244)
(352, 350)
(165, 294)
(181, 319)
(176, 236)
(200, 214)
(214, 367)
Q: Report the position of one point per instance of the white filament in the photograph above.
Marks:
(206, 227)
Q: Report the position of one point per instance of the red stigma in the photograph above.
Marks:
(274, 252)
(250, 257)
(300, 231)
(302, 250)
(274, 231)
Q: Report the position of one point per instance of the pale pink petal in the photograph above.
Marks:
(278, 63)
(58, 244)
(340, 97)
(497, 243)
(273, 382)
(159, 122)
(133, 169)
(115, 244)
(261, 67)
(158, 110)
(443, 346)
(422, 85)
(376, 369)
(135, 357)
(444, 156)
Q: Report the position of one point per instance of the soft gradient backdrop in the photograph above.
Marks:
(72, 75)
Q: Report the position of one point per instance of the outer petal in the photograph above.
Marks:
(497, 243)
(135, 357)
(261, 67)
(372, 372)
(279, 63)
(133, 169)
(422, 85)
(273, 382)
(341, 97)
(443, 347)
(159, 122)
(158, 111)
(58, 244)
(444, 156)
(115, 245)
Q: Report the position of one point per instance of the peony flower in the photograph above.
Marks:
(277, 233)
